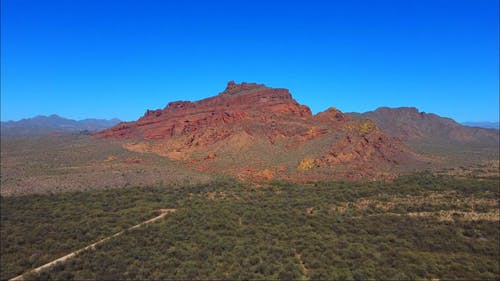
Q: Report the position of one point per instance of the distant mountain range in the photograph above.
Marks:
(487, 125)
(43, 125)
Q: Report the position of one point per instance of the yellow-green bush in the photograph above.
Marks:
(366, 127)
(306, 164)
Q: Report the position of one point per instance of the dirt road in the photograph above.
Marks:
(163, 213)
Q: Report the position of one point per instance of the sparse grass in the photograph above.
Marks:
(452, 155)
(74, 162)
(481, 170)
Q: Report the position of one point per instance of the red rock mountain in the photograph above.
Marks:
(260, 133)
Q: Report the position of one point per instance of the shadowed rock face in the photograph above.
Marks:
(253, 131)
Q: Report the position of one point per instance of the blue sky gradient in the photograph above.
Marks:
(104, 59)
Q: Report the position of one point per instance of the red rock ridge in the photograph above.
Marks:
(251, 130)
(236, 103)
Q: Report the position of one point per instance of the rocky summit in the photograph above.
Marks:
(260, 133)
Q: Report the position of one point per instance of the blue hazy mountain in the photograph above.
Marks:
(487, 125)
(42, 125)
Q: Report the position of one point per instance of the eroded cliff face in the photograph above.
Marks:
(253, 131)
(239, 102)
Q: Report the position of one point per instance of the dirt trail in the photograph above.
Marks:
(303, 268)
(163, 213)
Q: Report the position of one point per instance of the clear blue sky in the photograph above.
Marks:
(104, 59)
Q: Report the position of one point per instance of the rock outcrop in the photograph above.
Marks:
(256, 132)
(238, 102)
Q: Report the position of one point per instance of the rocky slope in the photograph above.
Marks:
(261, 133)
(415, 127)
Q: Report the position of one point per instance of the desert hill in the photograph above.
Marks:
(415, 127)
(254, 131)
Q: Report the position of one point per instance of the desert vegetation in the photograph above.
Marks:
(230, 230)
(73, 162)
